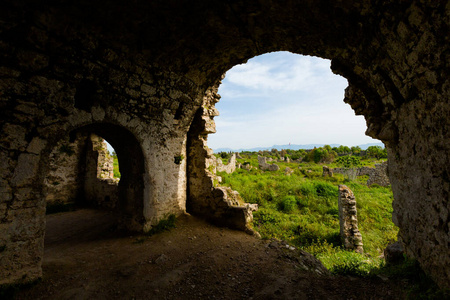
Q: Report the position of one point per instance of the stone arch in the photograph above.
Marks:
(132, 167)
(155, 73)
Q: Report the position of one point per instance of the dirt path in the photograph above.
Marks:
(86, 259)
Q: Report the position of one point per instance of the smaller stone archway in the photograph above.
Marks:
(130, 205)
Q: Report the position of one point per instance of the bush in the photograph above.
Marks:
(163, 225)
(327, 190)
(287, 204)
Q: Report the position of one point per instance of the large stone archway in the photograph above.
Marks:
(147, 65)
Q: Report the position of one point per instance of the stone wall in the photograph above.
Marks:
(263, 165)
(63, 181)
(99, 187)
(205, 199)
(81, 172)
(377, 175)
(126, 73)
(229, 168)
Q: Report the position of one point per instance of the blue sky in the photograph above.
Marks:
(282, 98)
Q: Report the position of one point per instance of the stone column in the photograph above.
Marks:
(350, 235)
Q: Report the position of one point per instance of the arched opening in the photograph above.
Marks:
(82, 173)
(298, 203)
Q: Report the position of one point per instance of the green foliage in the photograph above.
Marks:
(321, 155)
(376, 152)
(287, 204)
(356, 150)
(116, 167)
(348, 161)
(163, 225)
(178, 159)
(302, 210)
(224, 155)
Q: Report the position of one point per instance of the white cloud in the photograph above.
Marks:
(280, 98)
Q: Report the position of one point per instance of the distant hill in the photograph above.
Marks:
(293, 147)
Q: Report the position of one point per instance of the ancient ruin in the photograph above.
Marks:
(377, 175)
(263, 165)
(141, 75)
(348, 220)
(81, 172)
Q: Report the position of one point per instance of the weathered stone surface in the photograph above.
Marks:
(288, 171)
(327, 172)
(377, 175)
(394, 253)
(348, 220)
(263, 165)
(126, 67)
(229, 168)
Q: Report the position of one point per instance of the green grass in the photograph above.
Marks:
(116, 167)
(163, 225)
(302, 209)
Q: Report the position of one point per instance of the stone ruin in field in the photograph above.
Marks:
(263, 165)
(348, 220)
(377, 175)
(144, 76)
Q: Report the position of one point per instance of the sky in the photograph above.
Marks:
(281, 98)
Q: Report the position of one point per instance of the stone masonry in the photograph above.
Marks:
(263, 165)
(229, 168)
(81, 172)
(137, 73)
(377, 175)
(348, 220)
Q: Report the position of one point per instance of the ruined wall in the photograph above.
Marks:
(126, 67)
(217, 204)
(377, 175)
(63, 181)
(229, 168)
(99, 187)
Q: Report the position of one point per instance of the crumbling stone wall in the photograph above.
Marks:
(263, 165)
(229, 168)
(63, 181)
(348, 220)
(81, 172)
(218, 204)
(377, 175)
(136, 77)
(99, 187)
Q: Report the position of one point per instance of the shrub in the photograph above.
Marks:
(163, 225)
(324, 189)
(287, 204)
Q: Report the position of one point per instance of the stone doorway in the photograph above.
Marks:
(81, 174)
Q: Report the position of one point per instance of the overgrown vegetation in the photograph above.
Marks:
(115, 165)
(302, 208)
(163, 225)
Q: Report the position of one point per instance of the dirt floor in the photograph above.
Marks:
(85, 258)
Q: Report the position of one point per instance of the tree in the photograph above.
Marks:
(356, 150)
(349, 163)
(376, 152)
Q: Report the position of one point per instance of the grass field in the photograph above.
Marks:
(302, 209)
